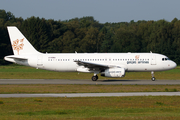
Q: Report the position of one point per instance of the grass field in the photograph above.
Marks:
(7, 89)
(91, 108)
(23, 72)
(88, 108)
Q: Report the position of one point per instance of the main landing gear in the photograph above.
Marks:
(94, 78)
(153, 78)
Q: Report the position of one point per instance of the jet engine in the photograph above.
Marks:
(113, 72)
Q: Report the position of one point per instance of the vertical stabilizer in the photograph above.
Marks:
(20, 44)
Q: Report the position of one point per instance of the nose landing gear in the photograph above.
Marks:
(153, 78)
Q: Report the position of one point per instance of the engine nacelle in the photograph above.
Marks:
(114, 72)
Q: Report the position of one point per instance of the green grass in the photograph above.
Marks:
(89, 108)
(39, 88)
(107, 108)
(23, 72)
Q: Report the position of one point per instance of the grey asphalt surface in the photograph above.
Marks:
(90, 82)
(92, 94)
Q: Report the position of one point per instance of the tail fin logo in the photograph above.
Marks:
(18, 45)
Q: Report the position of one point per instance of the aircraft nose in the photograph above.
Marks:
(173, 65)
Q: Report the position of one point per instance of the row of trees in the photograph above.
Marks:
(88, 35)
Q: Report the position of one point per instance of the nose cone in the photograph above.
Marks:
(173, 64)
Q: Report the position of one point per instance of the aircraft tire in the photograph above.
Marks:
(153, 78)
(94, 78)
(97, 77)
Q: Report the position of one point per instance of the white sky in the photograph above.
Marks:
(102, 10)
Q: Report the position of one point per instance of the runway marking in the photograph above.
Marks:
(92, 94)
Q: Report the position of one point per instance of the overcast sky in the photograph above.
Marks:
(102, 10)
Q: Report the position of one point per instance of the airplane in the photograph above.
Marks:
(107, 64)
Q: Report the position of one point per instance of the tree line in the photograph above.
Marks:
(87, 35)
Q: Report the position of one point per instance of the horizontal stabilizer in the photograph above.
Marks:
(16, 57)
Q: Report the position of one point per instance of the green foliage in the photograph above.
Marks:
(1, 102)
(174, 90)
(171, 90)
(88, 35)
(93, 108)
(36, 30)
(166, 90)
(38, 100)
(159, 103)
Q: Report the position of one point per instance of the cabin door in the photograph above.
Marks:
(153, 60)
(40, 61)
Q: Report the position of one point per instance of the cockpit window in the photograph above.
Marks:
(165, 59)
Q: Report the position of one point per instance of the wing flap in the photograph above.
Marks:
(94, 65)
(97, 66)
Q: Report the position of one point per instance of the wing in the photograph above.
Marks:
(94, 66)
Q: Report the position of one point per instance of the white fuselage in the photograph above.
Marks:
(129, 61)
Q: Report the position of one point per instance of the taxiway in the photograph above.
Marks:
(100, 82)
(92, 94)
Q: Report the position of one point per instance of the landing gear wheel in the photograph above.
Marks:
(153, 78)
(94, 78)
(152, 74)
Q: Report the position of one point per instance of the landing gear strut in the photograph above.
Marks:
(153, 78)
(94, 78)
